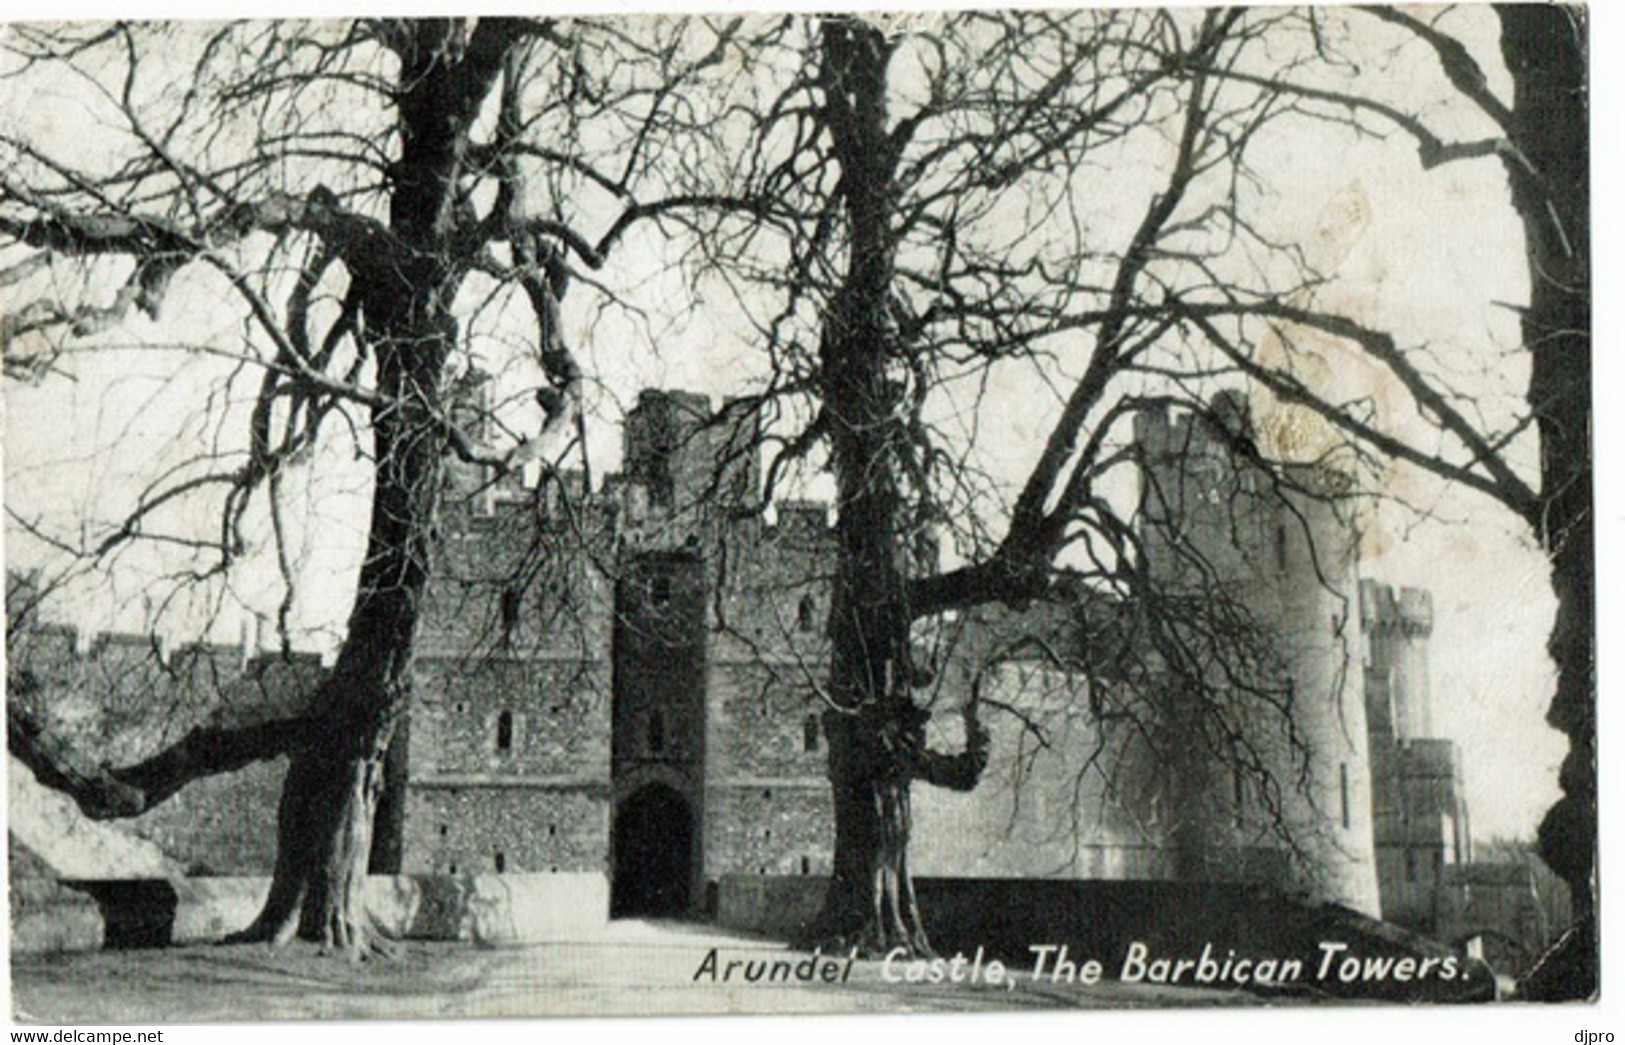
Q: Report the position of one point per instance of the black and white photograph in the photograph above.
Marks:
(572, 513)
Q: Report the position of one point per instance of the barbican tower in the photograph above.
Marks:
(617, 686)
(1268, 770)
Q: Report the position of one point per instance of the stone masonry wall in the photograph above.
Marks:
(510, 718)
(472, 829)
(118, 698)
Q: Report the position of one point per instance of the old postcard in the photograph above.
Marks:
(600, 515)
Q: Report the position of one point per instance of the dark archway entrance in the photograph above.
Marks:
(654, 854)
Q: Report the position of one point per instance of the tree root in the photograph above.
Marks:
(358, 940)
(871, 939)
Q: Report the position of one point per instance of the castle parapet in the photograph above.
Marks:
(1407, 611)
(803, 518)
(1416, 611)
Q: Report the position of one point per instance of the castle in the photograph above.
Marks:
(623, 681)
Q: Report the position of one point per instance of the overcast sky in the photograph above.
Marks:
(1425, 252)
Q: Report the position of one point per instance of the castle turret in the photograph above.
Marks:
(661, 445)
(686, 455)
(1421, 819)
(1270, 772)
(470, 402)
(1397, 626)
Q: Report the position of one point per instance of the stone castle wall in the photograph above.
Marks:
(579, 647)
(480, 827)
(118, 698)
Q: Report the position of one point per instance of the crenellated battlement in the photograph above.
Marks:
(801, 519)
(62, 643)
(690, 475)
(78, 669)
(662, 630)
(1407, 611)
(1277, 531)
(1218, 439)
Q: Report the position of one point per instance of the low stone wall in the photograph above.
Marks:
(775, 905)
(1101, 918)
(493, 910)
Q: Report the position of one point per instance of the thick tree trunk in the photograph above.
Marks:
(330, 795)
(870, 904)
(1545, 51)
(324, 834)
(875, 728)
(406, 279)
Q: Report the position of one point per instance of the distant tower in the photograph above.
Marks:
(662, 446)
(470, 401)
(1217, 527)
(1398, 626)
(686, 455)
(686, 468)
(1422, 829)
(658, 725)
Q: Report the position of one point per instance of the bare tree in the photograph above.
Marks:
(1540, 137)
(907, 213)
(935, 229)
(373, 198)
(934, 175)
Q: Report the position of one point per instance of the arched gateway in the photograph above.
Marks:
(653, 854)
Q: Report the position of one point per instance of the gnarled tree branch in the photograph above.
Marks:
(107, 793)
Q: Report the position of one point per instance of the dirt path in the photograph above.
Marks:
(630, 968)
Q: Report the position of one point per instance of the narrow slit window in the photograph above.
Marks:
(501, 862)
(809, 733)
(1343, 792)
(509, 607)
(807, 614)
(505, 731)
(1280, 548)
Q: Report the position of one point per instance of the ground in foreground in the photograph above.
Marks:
(627, 968)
